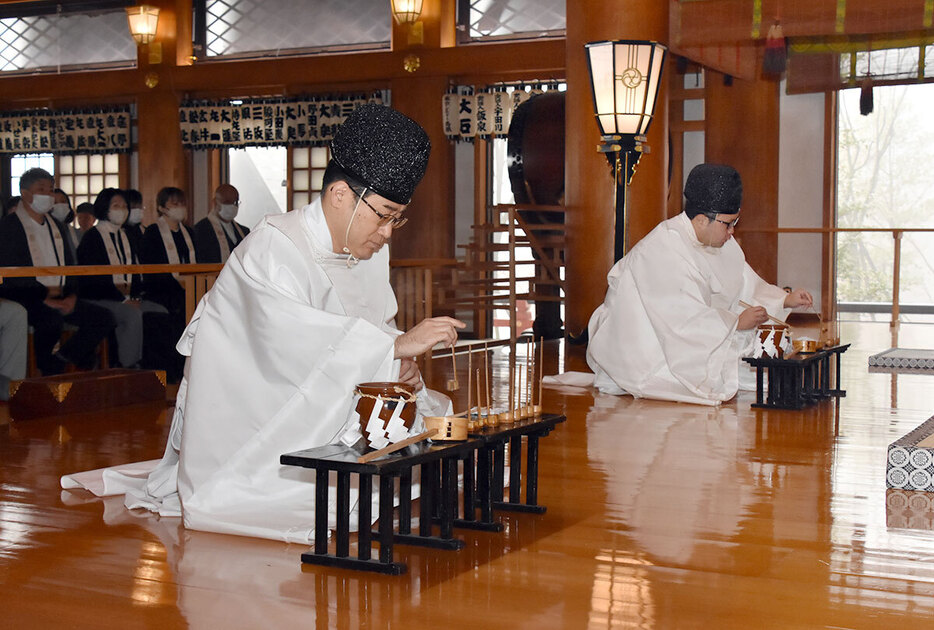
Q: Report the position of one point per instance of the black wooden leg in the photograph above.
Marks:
(405, 501)
(321, 511)
(343, 514)
(531, 476)
(499, 456)
(448, 499)
(515, 469)
(385, 519)
(426, 504)
(364, 516)
(484, 472)
(759, 392)
(477, 490)
(469, 509)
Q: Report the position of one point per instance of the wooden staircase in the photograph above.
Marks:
(492, 278)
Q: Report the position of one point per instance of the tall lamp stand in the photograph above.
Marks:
(623, 152)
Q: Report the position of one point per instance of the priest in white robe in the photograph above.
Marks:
(671, 326)
(301, 313)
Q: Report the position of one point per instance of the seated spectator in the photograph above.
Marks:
(13, 330)
(28, 238)
(168, 240)
(217, 234)
(85, 215)
(62, 212)
(107, 244)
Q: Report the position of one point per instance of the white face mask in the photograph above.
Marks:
(136, 216)
(60, 211)
(228, 211)
(177, 213)
(117, 216)
(42, 203)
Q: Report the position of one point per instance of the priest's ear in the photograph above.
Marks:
(335, 193)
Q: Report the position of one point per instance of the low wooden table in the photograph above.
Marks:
(439, 480)
(483, 458)
(797, 381)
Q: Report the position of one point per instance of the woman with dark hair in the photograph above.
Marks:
(62, 212)
(107, 244)
(168, 240)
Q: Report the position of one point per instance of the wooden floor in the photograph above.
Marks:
(660, 515)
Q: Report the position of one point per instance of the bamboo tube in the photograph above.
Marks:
(537, 409)
(470, 420)
(453, 385)
(493, 419)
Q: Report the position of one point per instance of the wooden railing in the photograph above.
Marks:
(415, 296)
(197, 279)
(897, 257)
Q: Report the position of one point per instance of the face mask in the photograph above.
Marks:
(60, 211)
(117, 216)
(177, 213)
(228, 211)
(136, 216)
(42, 203)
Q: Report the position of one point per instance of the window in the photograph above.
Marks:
(259, 174)
(19, 164)
(307, 170)
(51, 43)
(883, 182)
(82, 177)
(276, 27)
(511, 19)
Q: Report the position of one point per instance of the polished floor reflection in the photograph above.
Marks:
(660, 515)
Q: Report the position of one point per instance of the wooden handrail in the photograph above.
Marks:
(742, 230)
(423, 262)
(896, 263)
(106, 270)
(196, 278)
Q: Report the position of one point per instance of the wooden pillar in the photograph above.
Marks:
(588, 179)
(430, 232)
(162, 160)
(743, 131)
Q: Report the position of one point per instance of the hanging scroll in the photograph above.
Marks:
(65, 132)
(308, 121)
(466, 115)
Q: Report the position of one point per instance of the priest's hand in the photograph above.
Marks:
(798, 297)
(410, 374)
(752, 317)
(426, 334)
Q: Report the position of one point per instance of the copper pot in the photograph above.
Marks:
(390, 395)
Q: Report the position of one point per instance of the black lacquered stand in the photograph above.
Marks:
(799, 380)
(482, 456)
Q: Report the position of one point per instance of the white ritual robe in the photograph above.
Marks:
(667, 328)
(276, 349)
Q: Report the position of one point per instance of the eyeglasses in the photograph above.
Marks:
(728, 224)
(386, 219)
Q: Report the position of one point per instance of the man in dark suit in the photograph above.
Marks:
(217, 234)
(30, 237)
